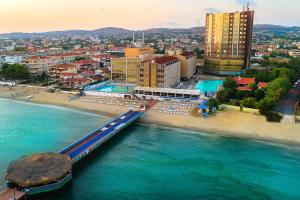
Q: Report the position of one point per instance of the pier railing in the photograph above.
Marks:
(51, 187)
(99, 139)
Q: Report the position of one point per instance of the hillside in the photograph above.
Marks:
(114, 31)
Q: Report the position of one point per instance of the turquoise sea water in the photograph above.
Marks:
(208, 85)
(151, 162)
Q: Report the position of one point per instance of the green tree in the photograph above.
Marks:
(249, 102)
(273, 117)
(228, 92)
(223, 96)
(259, 94)
(262, 76)
(278, 88)
(20, 48)
(275, 91)
(199, 53)
(230, 84)
(213, 103)
(284, 73)
(266, 58)
(274, 55)
(158, 51)
(294, 64)
(240, 94)
(266, 105)
(79, 58)
(253, 86)
(15, 72)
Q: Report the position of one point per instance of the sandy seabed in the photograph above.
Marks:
(233, 123)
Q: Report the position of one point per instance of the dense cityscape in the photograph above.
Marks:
(70, 60)
(231, 76)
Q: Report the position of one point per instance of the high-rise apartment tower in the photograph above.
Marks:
(228, 38)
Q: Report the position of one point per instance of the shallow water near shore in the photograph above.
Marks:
(149, 161)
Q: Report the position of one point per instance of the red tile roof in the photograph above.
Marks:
(68, 74)
(38, 57)
(84, 62)
(188, 54)
(65, 54)
(165, 60)
(78, 80)
(103, 56)
(262, 85)
(242, 88)
(244, 81)
(65, 65)
(88, 72)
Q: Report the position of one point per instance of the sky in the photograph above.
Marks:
(52, 15)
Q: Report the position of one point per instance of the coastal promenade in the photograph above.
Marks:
(78, 151)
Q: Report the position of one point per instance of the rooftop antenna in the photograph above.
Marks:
(248, 6)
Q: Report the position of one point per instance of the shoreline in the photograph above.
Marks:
(230, 134)
(226, 123)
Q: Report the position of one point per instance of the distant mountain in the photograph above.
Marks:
(175, 30)
(275, 29)
(110, 31)
(43, 34)
(103, 31)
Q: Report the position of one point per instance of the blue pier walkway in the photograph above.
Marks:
(87, 144)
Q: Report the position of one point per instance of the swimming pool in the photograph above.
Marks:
(208, 85)
(110, 88)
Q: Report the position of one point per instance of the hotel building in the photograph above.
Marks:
(161, 72)
(125, 70)
(188, 64)
(138, 52)
(37, 64)
(228, 38)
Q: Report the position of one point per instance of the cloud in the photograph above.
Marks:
(212, 10)
(245, 2)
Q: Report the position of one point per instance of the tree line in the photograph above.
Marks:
(14, 72)
(280, 80)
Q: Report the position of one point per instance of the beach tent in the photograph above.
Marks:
(203, 105)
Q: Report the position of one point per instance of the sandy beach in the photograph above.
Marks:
(233, 123)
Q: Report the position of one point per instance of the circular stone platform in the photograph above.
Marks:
(38, 169)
